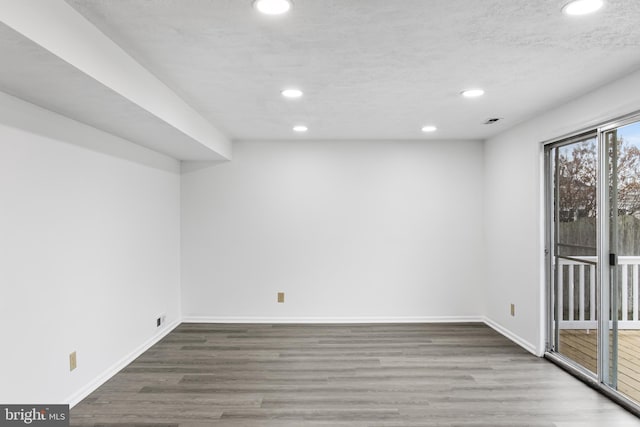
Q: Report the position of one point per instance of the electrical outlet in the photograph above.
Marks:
(160, 320)
(73, 361)
(513, 310)
(281, 297)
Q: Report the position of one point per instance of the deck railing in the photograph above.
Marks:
(577, 296)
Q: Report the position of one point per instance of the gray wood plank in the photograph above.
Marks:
(463, 375)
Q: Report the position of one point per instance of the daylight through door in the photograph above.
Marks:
(592, 186)
(573, 170)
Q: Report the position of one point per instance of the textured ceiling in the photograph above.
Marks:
(369, 68)
(372, 68)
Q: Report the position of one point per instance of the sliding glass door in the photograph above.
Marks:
(593, 247)
(623, 147)
(573, 176)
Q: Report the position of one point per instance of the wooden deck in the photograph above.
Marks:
(581, 346)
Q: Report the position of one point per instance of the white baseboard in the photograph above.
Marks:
(513, 337)
(76, 397)
(347, 320)
(353, 320)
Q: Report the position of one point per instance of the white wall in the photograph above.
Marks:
(90, 236)
(89, 252)
(348, 230)
(514, 222)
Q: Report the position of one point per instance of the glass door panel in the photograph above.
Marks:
(623, 147)
(593, 255)
(573, 171)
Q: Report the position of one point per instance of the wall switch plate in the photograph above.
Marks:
(280, 297)
(513, 310)
(73, 361)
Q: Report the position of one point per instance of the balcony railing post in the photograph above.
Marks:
(629, 282)
(571, 289)
(624, 289)
(635, 293)
(581, 291)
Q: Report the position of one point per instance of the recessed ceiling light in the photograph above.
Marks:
(429, 128)
(291, 93)
(272, 7)
(582, 7)
(300, 128)
(472, 93)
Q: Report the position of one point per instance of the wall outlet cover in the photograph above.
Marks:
(73, 361)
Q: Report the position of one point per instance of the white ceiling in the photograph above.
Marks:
(370, 69)
(38, 76)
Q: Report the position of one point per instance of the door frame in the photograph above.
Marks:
(602, 378)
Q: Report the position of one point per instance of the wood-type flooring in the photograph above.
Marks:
(374, 375)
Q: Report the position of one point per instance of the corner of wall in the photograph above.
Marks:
(531, 348)
(85, 391)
